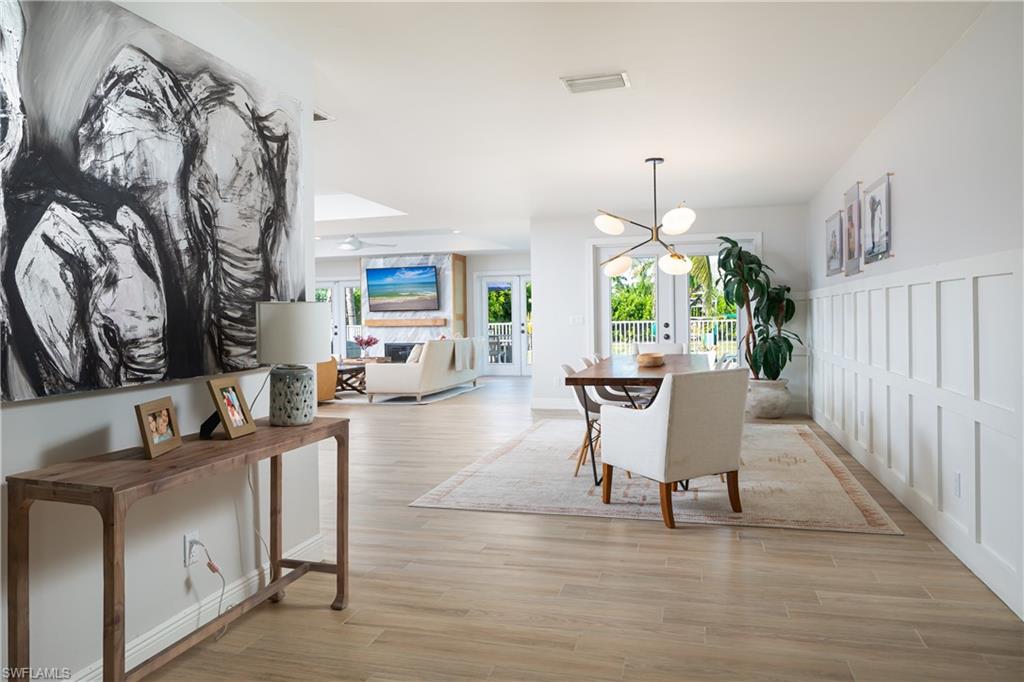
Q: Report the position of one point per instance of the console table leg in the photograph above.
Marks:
(341, 558)
(17, 576)
(113, 511)
(276, 547)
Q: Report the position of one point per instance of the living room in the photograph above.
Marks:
(512, 341)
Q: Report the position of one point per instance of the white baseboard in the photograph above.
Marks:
(174, 628)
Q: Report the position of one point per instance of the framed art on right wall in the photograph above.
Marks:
(878, 224)
(851, 226)
(834, 243)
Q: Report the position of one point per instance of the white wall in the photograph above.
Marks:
(564, 319)
(916, 362)
(330, 269)
(66, 571)
(954, 144)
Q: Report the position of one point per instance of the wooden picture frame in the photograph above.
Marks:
(158, 426)
(235, 418)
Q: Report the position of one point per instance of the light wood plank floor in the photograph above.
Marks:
(445, 595)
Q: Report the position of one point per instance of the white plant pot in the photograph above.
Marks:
(767, 399)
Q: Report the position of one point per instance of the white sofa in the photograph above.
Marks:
(434, 372)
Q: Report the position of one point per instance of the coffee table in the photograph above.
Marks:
(352, 378)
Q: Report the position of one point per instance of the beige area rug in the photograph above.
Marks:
(789, 479)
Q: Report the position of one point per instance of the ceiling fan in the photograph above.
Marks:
(354, 243)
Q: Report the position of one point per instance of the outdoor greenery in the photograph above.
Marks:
(633, 292)
(499, 303)
(632, 296)
(746, 283)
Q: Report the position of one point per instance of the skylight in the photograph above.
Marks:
(349, 206)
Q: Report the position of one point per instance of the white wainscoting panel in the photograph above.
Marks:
(918, 374)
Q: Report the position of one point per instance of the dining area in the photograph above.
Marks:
(663, 414)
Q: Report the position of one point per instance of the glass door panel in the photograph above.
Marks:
(526, 325)
(507, 307)
(639, 306)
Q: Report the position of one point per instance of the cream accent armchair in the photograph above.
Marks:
(435, 372)
(693, 428)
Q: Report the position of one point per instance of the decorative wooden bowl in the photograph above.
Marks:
(650, 359)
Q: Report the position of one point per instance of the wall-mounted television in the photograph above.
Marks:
(402, 289)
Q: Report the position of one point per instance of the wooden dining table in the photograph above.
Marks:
(624, 374)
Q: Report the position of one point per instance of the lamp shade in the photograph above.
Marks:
(618, 266)
(675, 264)
(678, 220)
(609, 225)
(295, 333)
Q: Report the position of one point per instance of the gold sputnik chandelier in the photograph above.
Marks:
(675, 222)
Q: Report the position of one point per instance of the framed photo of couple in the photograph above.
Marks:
(231, 406)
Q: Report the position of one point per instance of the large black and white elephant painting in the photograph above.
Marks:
(149, 201)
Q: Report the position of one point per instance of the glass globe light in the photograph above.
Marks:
(609, 225)
(678, 220)
(616, 267)
(675, 264)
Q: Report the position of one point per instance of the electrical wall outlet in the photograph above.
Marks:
(958, 488)
(192, 548)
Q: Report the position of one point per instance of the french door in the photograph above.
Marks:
(506, 311)
(643, 305)
(344, 298)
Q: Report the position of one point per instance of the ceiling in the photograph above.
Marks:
(454, 113)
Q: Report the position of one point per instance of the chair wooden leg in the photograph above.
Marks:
(733, 478)
(606, 483)
(721, 477)
(665, 491)
(582, 456)
(675, 486)
(629, 475)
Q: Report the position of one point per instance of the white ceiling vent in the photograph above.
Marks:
(608, 81)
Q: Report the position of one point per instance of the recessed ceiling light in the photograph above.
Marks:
(456, 231)
(318, 238)
(349, 206)
(606, 81)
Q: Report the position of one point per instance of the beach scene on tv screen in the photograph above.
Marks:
(409, 288)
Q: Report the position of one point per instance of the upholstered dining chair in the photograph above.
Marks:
(591, 409)
(693, 428)
(660, 347)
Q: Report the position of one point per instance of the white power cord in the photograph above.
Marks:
(214, 568)
(255, 526)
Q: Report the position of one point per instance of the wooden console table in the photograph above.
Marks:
(112, 482)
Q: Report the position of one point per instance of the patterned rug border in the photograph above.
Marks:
(879, 522)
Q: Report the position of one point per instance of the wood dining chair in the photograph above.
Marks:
(591, 409)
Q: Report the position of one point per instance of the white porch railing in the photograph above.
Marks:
(499, 343)
(706, 334)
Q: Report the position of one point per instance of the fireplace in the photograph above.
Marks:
(398, 352)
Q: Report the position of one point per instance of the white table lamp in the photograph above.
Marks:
(290, 337)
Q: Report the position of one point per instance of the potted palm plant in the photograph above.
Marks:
(767, 345)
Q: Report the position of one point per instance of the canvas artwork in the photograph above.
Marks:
(834, 243)
(149, 200)
(878, 227)
(851, 227)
